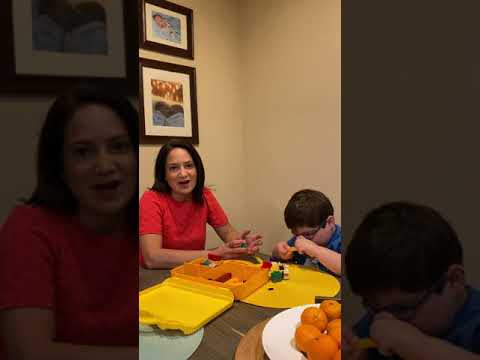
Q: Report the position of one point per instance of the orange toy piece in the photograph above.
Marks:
(322, 347)
(332, 308)
(305, 333)
(314, 316)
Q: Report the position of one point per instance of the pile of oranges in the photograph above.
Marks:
(320, 332)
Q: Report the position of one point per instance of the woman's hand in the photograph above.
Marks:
(231, 249)
(254, 241)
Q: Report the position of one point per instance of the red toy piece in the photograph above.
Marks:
(266, 265)
(214, 257)
(224, 277)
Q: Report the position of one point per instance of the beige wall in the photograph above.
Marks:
(268, 84)
(221, 127)
(291, 85)
(21, 119)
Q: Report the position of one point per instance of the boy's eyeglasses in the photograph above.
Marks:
(311, 234)
(408, 312)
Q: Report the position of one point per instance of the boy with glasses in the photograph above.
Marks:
(405, 261)
(317, 239)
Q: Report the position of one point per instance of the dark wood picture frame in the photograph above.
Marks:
(13, 83)
(172, 68)
(164, 48)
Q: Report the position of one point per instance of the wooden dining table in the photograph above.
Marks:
(223, 334)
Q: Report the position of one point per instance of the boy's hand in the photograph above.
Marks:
(282, 250)
(304, 246)
(254, 241)
(391, 335)
(349, 351)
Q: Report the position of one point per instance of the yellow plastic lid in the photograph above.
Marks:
(182, 304)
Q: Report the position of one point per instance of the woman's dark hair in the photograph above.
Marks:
(51, 191)
(307, 208)
(161, 184)
(401, 246)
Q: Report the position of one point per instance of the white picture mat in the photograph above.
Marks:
(33, 62)
(149, 74)
(149, 9)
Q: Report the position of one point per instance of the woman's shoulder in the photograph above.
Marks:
(28, 213)
(151, 195)
(154, 198)
(210, 198)
(29, 219)
(208, 193)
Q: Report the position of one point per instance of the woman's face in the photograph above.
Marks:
(180, 174)
(100, 164)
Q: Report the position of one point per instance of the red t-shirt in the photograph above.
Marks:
(181, 224)
(90, 281)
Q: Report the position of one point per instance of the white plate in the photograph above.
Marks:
(278, 336)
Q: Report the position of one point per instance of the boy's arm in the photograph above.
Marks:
(397, 337)
(436, 349)
(332, 260)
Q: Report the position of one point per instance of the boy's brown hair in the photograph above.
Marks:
(307, 208)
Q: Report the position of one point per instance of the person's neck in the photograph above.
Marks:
(181, 197)
(461, 298)
(458, 303)
(102, 223)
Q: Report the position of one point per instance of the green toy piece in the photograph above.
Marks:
(244, 245)
(276, 276)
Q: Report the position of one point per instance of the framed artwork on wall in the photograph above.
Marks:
(51, 44)
(166, 28)
(168, 102)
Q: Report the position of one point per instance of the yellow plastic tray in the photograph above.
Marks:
(181, 304)
(302, 287)
(245, 278)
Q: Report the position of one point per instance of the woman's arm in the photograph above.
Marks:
(156, 257)
(227, 233)
(28, 333)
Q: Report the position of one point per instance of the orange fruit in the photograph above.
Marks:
(334, 323)
(314, 316)
(303, 334)
(332, 309)
(338, 355)
(322, 347)
(336, 333)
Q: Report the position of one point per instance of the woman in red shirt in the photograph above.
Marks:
(175, 211)
(69, 256)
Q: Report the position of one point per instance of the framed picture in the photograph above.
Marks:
(166, 28)
(168, 102)
(51, 44)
